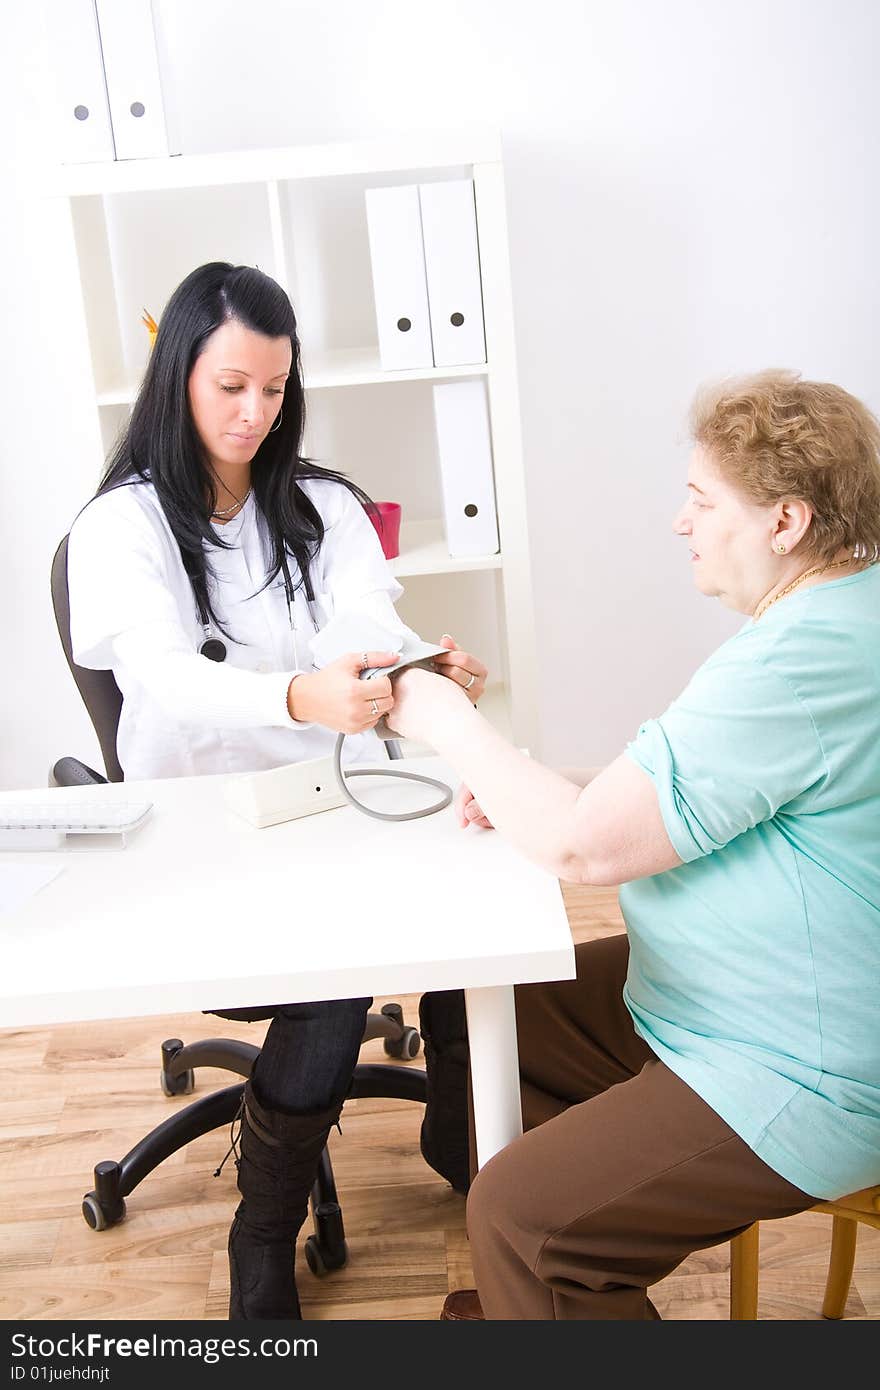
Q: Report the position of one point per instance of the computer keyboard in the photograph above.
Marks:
(46, 823)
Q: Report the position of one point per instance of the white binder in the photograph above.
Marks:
(138, 108)
(467, 481)
(452, 268)
(394, 226)
(85, 134)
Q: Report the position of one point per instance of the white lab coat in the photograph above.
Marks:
(132, 611)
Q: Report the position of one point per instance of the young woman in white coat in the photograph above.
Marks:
(211, 555)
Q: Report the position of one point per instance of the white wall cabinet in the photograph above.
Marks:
(299, 214)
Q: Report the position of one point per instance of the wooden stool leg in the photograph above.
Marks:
(744, 1275)
(840, 1266)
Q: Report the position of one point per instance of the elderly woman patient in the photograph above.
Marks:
(719, 1063)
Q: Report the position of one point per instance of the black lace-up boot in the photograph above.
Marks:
(444, 1134)
(276, 1170)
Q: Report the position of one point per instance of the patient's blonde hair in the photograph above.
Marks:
(775, 436)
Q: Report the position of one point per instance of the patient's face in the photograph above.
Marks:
(236, 387)
(730, 538)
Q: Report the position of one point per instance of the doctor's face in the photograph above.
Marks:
(235, 391)
(730, 538)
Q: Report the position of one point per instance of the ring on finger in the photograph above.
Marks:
(365, 662)
(467, 685)
(374, 708)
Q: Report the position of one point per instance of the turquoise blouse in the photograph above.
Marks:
(755, 967)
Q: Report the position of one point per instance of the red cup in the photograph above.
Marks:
(386, 519)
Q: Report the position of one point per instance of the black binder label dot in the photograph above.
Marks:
(456, 320)
(81, 113)
(404, 325)
(470, 509)
(137, 108)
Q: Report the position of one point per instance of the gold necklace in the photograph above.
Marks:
(807, 574)
(227, 510)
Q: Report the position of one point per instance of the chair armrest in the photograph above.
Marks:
(70, 772)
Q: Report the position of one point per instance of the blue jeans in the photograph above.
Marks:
(311, 1050)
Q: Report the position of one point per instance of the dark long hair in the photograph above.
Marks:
(161, 444)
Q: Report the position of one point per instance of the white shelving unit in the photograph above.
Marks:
(139, 226)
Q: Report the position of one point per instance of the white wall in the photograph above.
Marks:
(46, 429)
(691, 191)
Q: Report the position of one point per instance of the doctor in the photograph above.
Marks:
(200, 573)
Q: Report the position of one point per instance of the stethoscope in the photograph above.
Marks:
(215, 649)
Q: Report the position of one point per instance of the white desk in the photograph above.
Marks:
(200, 910)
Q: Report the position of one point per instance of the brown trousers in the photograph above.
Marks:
(622, 1171)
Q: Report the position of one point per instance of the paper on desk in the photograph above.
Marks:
(18, 882)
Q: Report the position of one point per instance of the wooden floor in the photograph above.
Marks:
(78, 1093)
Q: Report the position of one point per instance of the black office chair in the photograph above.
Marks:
(105, 1205)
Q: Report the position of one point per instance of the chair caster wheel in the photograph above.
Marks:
(99, 1216)
(407, 1045)
(317, 1261)
(182, 1085)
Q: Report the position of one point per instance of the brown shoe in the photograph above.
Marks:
(462, 1306)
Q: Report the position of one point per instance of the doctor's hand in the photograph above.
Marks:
(336, 696)
(466, 670)
(422, 701)
(469, 810)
